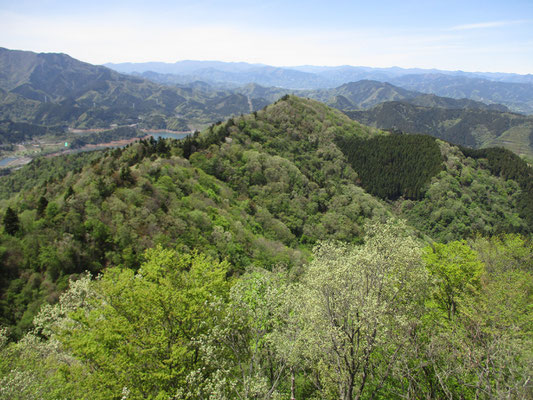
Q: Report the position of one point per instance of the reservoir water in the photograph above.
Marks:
(5, 161)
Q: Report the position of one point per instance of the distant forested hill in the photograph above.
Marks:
(469, 126)
(518, 96)
(55, 89)
(512, 90)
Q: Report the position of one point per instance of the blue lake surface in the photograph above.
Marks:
(5, 161)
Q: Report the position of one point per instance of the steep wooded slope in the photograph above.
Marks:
(53, 89)
(258, 190)
(468, 126)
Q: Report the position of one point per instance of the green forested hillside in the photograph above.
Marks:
(280, 183)
(44, 93)
(518, 96)
(386, 319)
(252, 261)
(394, 165)
(471, 197)
(474, 127)
(55, 89)
(16, 132)
(364, 94)
(268, 181)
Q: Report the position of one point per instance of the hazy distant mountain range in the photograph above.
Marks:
(513, 90)
(55, 90)
(333, 76)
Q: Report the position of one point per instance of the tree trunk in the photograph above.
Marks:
(293, 384)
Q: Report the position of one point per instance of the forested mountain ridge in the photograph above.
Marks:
(361, 94)
(469, 126)
(513, 90)
(48, 93)
(460, 121)
(518, 96)
(55, 89)
(255, 189)
(256, 192)
(366, 94)
(36, 75)
(223, 256)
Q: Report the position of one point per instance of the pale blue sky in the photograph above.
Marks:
(467, 35)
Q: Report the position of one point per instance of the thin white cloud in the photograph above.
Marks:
(485, 25)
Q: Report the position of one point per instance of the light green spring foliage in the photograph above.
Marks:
(486, 351)
(465, 199)
(140, 331)
(358, 322)
(509, 252)
(502, 317)
(32, 367)
(242, 354)
(358, 302)
(344, 323)
(455, 270)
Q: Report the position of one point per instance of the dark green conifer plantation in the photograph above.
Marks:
(395, 165)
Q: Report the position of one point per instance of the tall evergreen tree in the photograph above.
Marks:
(11, 221)
(41, 206)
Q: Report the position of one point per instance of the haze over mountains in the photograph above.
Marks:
(330, 75)
(50, 89)
(55, 91)
(513, 90)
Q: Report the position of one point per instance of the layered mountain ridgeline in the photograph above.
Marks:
(460, 121)
(328, 76)
(471, 126)
(513, 90)
(43, 94)
(55, 89)
(256, 190)
(518, 96)
(362, 94)
(217, 72)
(365, 94)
